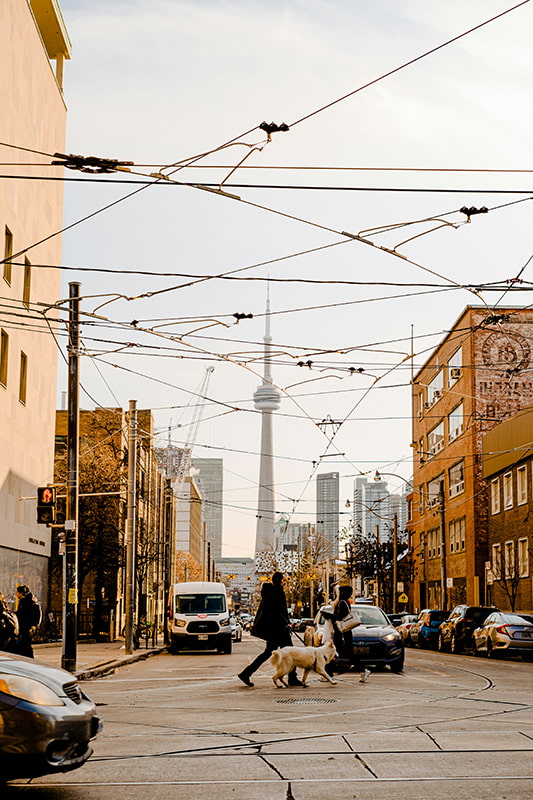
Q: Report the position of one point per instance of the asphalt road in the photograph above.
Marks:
(183, 727)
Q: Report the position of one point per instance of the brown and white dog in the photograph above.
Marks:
(285, 659)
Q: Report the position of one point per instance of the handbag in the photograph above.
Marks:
(350, 621)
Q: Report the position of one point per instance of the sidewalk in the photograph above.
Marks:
(95, 658)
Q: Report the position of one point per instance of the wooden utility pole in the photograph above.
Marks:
(70, 555)
(129, 593)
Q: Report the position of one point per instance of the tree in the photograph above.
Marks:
(187, 567)
(507, 570)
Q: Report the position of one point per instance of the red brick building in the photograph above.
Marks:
(508, 470)
(479, 375)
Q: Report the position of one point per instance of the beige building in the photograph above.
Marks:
(33, 116)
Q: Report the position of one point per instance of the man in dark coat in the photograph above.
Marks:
(272, 624)
(25, 616)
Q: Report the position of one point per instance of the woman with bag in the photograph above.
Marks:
(343, 619)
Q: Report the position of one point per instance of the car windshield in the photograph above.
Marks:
(200, 604)
(437, 616)
(519, 619)
(478, 613)
(370, 615)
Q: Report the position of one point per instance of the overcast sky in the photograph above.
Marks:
(158, 82)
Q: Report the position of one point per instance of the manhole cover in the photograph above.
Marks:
(307, 700)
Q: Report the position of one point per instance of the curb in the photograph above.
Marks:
(108, 667)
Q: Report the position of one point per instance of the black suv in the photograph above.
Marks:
(455, 633)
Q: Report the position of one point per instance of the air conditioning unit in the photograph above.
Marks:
(420, 509)
(427, 405)
(437, 394)
(457, 488)
(455, 373)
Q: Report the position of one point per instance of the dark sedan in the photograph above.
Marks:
(505, 633)
(46, 720)
(376, 642)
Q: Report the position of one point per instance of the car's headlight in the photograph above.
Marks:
(224, 622)
(30, 690)
(390, 637)
(180, 623)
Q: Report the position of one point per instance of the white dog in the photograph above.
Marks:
(310, 658)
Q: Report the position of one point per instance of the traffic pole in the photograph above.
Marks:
(129, 595)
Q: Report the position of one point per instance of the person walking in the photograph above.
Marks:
(26, 616)
(343, 641)
(271, 624)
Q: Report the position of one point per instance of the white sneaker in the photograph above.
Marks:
(364, 676)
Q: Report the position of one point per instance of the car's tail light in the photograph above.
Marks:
(503, 629)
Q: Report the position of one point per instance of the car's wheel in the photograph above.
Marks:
(491, 652)
(441, 643)
(397, 666)
(225, 647)
(477, 652)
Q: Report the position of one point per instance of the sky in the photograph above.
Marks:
(168, 82)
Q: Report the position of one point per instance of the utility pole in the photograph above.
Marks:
(168, 550)
(443, 575)
(394, 562)
(70, 555)
(129, 604)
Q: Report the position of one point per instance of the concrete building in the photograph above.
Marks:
(32, 36)
(238, 574)
(327, 511)
(508, 470)
(478, 376)
(209, 475)
(190, 535)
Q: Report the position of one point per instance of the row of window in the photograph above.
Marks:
(430, 494)
(456, 539)
(4, 361)
(510, 560)
(502, 488)
(451, 373)
(436, 436)
(8, 268)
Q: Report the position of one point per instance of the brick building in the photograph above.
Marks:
(479, 375)
(508, 470)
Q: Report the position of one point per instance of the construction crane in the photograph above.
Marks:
(186, 451)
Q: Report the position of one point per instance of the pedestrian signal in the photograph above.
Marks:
(46, 505)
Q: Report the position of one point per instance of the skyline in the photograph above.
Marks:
(162, 82)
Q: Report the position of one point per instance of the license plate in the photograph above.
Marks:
(362, 651)
(203, 637)
(526, 635)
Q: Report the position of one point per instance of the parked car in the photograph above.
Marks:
(236, 629)
(46, 720)
(424, 632)
(299, 625)
(375, 641)
(505, 633)
(456, 632)
(404, 627)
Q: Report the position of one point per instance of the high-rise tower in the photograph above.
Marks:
(266, 400)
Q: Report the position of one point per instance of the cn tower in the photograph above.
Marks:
(266, 400)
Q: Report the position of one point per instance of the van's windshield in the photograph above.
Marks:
(200, 603)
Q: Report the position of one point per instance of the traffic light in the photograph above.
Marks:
(46, 505)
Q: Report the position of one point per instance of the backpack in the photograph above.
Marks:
(37, 613)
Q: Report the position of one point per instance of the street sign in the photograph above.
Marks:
(403, 598)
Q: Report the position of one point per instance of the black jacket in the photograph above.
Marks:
(272, 618)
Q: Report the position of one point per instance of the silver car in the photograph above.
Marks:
(505, 633)
(46, 720)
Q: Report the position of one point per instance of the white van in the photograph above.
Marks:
(198, 617)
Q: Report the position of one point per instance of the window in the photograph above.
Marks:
(455, 422)
(23, 378)
(454, 366)
(508, 490)
(456, 479)
(495, 496)
(436, 438)
(457, 528)
(27, 283)
(523, 558)
(433, 494)
(8, 252)
(4, 355)
(497, 561)
(521, 485)
(434, 543)
(435, 388)
(509, 560)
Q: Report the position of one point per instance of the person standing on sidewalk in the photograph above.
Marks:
(27, 620)
(271, 624)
